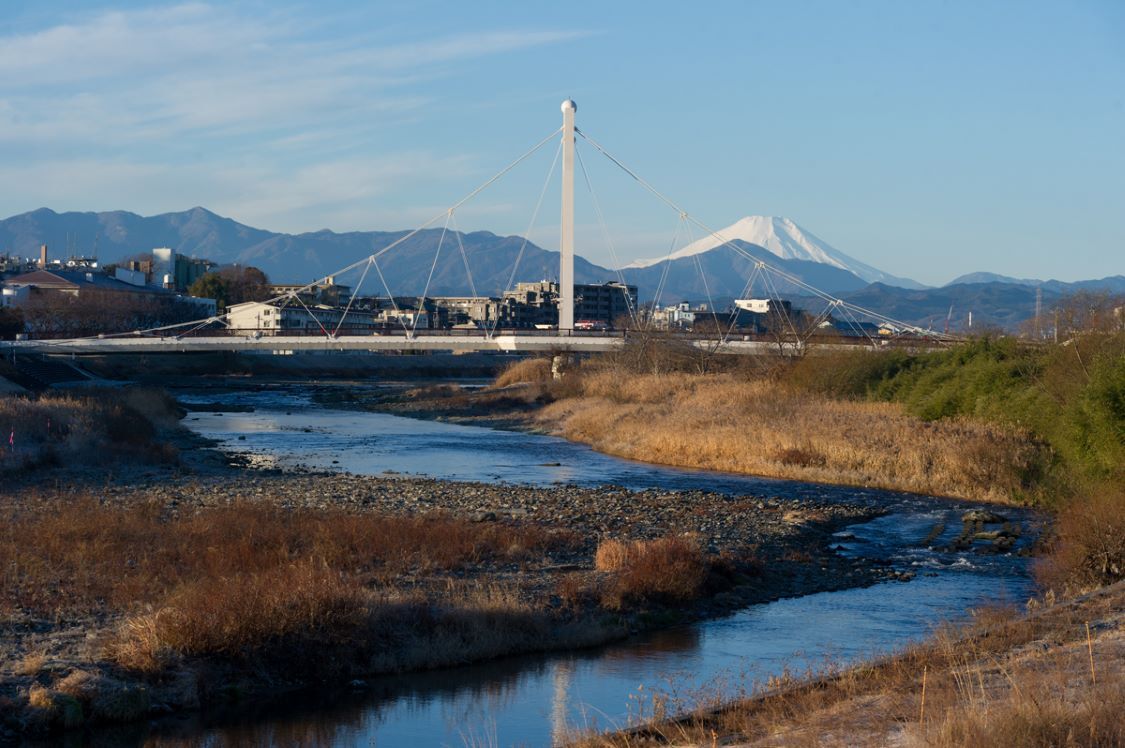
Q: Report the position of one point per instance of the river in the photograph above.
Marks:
(534, 700)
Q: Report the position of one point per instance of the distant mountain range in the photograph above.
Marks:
(297, 258)
(305, 257)
(294, 258)
(1112, 283)
(993, 305)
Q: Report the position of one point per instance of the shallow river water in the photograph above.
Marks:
(533, 700)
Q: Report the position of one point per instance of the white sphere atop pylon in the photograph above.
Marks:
(569, 106)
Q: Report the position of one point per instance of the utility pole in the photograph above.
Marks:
(566, 243)
(1038, 311)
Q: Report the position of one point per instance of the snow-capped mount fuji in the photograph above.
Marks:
(786, 240)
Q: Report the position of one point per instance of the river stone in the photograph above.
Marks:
(982, 515)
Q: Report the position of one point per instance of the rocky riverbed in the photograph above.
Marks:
(771, 547)
(789, 542)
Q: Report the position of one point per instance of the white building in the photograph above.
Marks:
(268, 319)
(758, 306)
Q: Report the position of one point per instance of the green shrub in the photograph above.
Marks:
(848, 374)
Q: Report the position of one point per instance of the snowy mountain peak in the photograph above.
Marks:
(784, 238)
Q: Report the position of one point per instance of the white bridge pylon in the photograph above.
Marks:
(566, 231)
(193, 335)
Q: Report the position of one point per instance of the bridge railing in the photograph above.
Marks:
(625, 335)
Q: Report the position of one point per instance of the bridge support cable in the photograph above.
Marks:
(608, 237)
(773, 291)
(464, 256)
(720, 338)
(351, 299)
(414, 232)
(200, 326)
(664, 271)
(858, 325)
(391, 296)
(820, 319)
(530, 228)
(902, 325)
(688, 217)
(448, 211)
(294, 295)
(728, 243)
(433, 267)
(747, 290)
(710, 302)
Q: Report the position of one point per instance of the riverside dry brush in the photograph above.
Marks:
(720, 422)
(56, 562)
(666, 570)
(91, 428)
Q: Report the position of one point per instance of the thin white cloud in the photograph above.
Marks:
(126, 43)
(165, 72)
(254, 115)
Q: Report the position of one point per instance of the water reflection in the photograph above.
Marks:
(460, 706)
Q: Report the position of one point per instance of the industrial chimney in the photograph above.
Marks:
(43, 256)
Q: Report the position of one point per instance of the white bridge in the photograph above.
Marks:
(790, 337)
(464, 343)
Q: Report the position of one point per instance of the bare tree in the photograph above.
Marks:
(50, 314)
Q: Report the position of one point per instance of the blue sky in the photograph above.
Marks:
(927, 139)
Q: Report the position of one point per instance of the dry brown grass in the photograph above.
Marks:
(84, 555)
(260, 588)
(524, 371)
(31, 664)
(54, 708)
(720, 422)
(261, 593)
(87, 428)
(1089, 546)
(103, 698)
(299, 610)
(666, 570)
(612, 555)
(1039, 709)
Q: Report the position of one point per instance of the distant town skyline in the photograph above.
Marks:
(926, 140)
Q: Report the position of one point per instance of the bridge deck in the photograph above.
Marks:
(373, 343)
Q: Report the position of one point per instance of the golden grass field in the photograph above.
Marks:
(723, 422)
